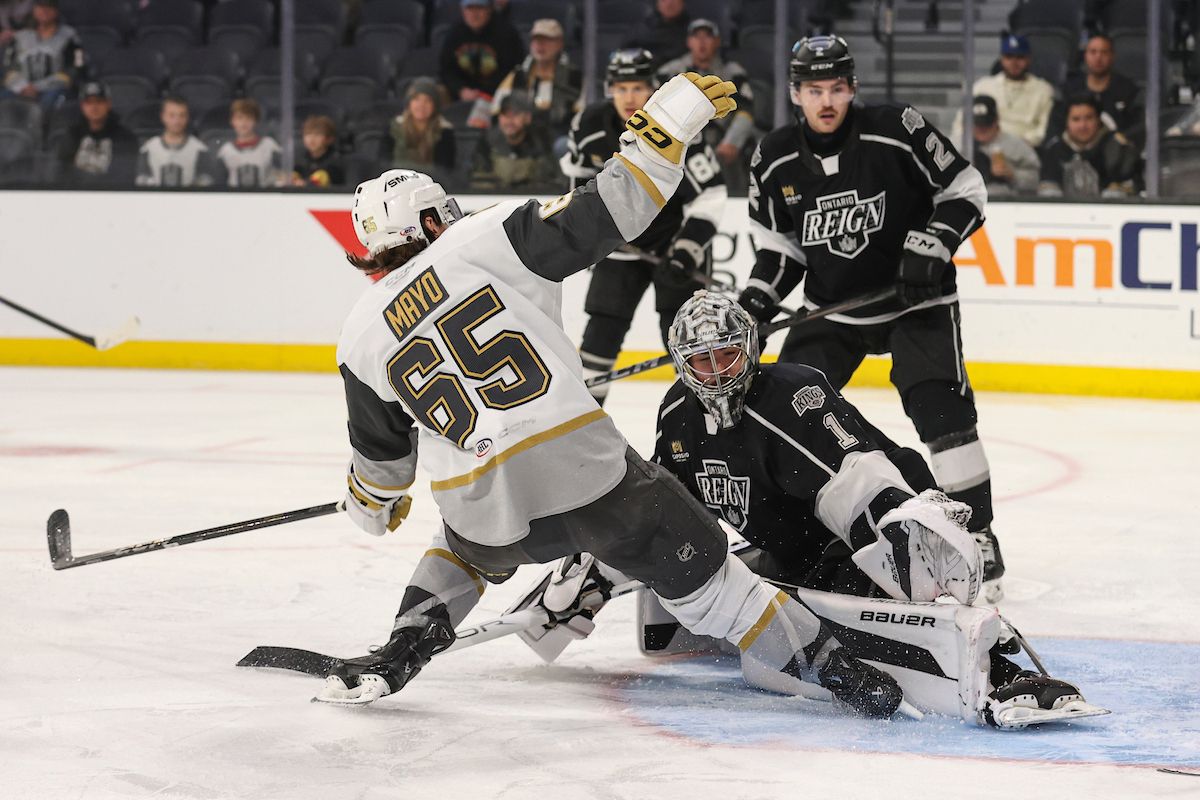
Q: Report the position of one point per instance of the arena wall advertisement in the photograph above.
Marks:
(1096, 299)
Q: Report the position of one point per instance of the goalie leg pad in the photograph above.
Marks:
(937, 652)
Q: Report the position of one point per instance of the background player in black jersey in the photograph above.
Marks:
(680, 234)
(853, 199)
(830, 502)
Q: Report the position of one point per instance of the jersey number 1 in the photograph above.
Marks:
(844, 438)
(442, 401)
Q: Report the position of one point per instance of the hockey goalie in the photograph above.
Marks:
(820, 502)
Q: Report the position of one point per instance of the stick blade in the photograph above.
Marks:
(126, 331)
(58, 538)
(289, 658)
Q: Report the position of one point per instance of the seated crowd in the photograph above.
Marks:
(486, 105)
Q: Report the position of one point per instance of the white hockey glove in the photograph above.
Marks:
(923, 544)
(375, 510)
(676, 113)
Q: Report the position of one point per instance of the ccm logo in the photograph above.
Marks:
(896, 619)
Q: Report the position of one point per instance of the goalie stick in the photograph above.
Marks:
(797, 317)
(58, 535)
(104, 341)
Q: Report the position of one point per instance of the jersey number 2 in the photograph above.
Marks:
(442, 401)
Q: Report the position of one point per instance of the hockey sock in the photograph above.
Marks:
(593, 366)
(961, 469)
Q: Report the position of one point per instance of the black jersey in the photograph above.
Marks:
(839, 221)
(693, 211)
(802, 467)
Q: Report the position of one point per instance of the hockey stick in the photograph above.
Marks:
(319, 664)
(104, 341)
(708, 281)
(58, 535)
(798, 317)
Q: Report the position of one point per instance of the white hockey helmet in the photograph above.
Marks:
(388, 209)
(706, 323)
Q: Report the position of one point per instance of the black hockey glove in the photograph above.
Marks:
(922, 264)
(759, 303)
(682, 265)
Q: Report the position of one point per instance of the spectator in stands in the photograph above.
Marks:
(13, 16)
(420, 138)
(515, 154)
(41, 62)
(663, 31)
(98, 150)
(320, 164)
(175, 158)
(733, 135)
(478, 52)
(548, 79)
(1119, 96)
(250, 160)
(1023, 100)
(1008, 164)
(1088, 160)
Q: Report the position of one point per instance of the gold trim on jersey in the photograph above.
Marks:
(644, 180)
(768, 614)
(518, 448)
(439, 552)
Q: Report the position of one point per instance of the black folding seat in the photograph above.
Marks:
(17, 149)
(406, 13)
(354, 78)
(18, 113)
(185, 17)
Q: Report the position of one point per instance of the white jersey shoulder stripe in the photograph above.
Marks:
(777, 162)
(671, 407)
(769, 426)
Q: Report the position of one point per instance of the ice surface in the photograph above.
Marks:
(119, 677)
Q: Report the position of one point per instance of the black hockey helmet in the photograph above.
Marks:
(630, 64)
(818, 58)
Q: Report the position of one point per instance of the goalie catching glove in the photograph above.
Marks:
(923, 551)
(676, 113)
(375, 509)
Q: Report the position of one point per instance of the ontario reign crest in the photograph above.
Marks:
(724, 493)
(843, 223)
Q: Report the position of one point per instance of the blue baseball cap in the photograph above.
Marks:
(1013, 44)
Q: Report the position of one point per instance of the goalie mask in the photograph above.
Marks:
(714, 344)
(388, 209)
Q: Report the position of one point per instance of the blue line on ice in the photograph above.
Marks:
(1153, 690)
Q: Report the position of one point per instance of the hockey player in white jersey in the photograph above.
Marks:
(458, 353)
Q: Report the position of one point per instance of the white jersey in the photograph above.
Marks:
(466, 341)
(161, 164)
(251, 165)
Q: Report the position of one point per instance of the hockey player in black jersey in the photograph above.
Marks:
(830, 503)
(851, 199)
(678, 239)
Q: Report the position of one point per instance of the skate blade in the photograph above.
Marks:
(335, 693)
(1018, 718)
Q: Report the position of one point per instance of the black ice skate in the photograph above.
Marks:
(362, 680)
(993, 565)
(1033, 699)
(859, 686)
